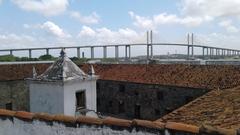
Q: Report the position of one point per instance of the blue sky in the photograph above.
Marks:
(39, 23)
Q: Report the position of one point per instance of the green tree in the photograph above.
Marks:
(46, 57)
(7, 58)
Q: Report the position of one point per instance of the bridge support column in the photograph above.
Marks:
(30, 53)
(78, 52)
(151, 46)
(192, 46)
(11, 52)
(92, 52)
(47, 51)
(116, 52)
(127, 52)
(104, 52)
(211, 52)
(203, 53)
(149, 51)
(83, 55)
(207, 52)
(188, 52)
(192, 51)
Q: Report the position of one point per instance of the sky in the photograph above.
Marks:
(47, 23)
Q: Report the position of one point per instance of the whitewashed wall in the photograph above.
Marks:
(46, 97)
(19, 127)
(59, 98)
(71, 88)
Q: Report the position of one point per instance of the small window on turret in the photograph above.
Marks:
(80, 100)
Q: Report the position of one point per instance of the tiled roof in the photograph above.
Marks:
(218, 108)
(197, 76)
(110, 121)
(62, 69)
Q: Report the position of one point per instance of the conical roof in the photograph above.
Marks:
(63, 69)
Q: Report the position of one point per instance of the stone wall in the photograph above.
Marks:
(19, 127)
(145, 101)
(26, 123)
(115, 98)
(14, 95)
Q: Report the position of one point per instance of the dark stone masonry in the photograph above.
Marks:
(144, 101)
(115, 98)
(14, 95)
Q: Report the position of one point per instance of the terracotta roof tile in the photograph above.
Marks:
(182, 127)
(117, 122)
(4, 112)
(197, 76)
(146, 123)
(214, 130)
(24, 115)
(89, 120)
(159, 124)
(64, 118)
(43, 116)
(217, 108)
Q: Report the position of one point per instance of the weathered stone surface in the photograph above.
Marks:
(15, 92)
(154, 100)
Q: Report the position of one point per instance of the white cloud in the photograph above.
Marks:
(220, 40)
(227, 24)
(45, 7)
(106, 36)
(142, 22)
(54, 29)
(213, 8)
(16, 41)
(164, 18)
(87, 31)
(91, 19)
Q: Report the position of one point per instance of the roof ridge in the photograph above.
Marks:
(111, 121)
(62, 69)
